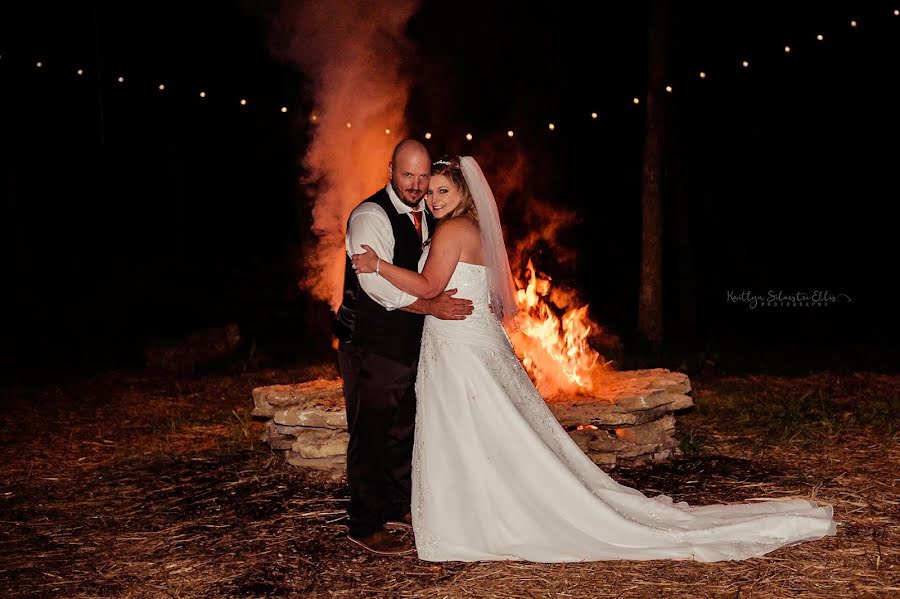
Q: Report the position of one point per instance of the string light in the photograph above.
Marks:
(854, 24)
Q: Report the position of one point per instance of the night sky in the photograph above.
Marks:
(134, 217)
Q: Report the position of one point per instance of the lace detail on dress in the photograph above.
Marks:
(425, 541)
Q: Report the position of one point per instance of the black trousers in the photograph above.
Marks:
(381, 412)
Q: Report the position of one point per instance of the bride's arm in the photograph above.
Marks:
(442, 259)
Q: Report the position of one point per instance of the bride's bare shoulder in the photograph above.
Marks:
(460, 225)
(459, 232)
(463, 233)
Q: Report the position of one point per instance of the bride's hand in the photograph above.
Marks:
(365, 262)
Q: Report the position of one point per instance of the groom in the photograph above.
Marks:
(379, 329)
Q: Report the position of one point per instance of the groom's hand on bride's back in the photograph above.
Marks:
(447, 307)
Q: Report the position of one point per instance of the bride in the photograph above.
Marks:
(495, 476)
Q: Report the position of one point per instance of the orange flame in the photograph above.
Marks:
(555, 351)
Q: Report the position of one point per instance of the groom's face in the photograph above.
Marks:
(410, 174)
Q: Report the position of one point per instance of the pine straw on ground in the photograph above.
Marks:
(133, 486)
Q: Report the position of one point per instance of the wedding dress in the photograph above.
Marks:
(495, 476)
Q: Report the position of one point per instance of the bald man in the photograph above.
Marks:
(379, 329)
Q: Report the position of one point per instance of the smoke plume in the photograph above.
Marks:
(353, 53)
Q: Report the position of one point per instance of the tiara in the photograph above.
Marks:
(447, 162)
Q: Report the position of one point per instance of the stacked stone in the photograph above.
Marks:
(629, 421)
(307, 422)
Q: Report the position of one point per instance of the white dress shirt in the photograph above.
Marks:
(369, 224)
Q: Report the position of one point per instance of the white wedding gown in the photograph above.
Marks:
(495, 476)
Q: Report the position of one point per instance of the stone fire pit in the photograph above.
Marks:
(630, 421)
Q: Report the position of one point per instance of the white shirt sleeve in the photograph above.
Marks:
(368, 224)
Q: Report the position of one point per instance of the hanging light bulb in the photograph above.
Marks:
(745, 64)
(510, 133)
(202, 94)
(551, 126)
(820, 37)
(853, 24)
(669, 88)
(39, 64)
(702, 74)
(787, 49)
(121, 79)
(593, 115)
(636, 101)
(162, 87)
(469, 136)
(80, 72)
(243, 102)
(284, 109)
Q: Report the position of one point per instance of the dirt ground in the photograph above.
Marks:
(128, 485)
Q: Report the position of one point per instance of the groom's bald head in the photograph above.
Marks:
(409, 148)
(410, 171)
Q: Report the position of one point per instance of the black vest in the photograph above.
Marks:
(364, 323)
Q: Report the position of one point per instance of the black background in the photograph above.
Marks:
(133, 216)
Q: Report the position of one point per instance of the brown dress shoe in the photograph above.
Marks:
(405, 522)
(382, 542)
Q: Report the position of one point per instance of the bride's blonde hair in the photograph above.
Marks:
(448, 166)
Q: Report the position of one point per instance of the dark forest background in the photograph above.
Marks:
(133, 218)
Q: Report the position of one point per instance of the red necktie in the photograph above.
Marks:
(417, 217)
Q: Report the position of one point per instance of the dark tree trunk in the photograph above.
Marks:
(650, 312)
